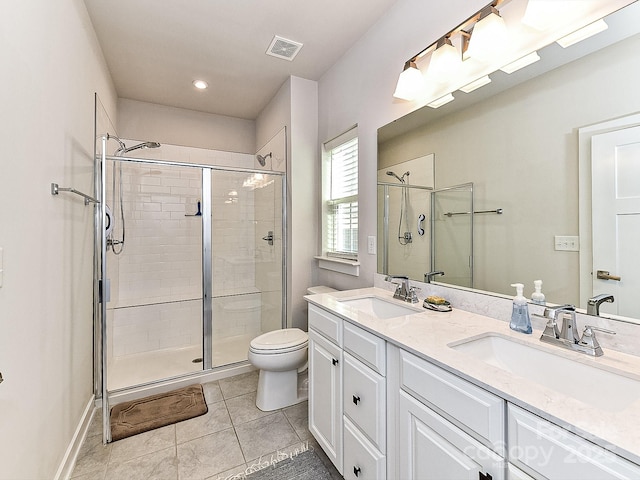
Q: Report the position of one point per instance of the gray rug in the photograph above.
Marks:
(304, 466)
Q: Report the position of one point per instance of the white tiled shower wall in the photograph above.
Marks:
(156, 281)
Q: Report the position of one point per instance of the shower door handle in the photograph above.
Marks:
(268, 237)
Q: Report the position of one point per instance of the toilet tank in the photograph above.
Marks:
(320, 289)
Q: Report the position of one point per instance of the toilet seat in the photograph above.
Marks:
(280, 341)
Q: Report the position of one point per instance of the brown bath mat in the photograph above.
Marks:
(144, 414)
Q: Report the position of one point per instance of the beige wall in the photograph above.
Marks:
(52, 65)
(179, 126)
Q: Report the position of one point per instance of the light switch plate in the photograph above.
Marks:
(567, 243)
(371, 245)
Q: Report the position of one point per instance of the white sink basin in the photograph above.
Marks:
(601, 388)
(379, 307)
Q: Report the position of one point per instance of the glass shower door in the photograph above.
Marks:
(452, 233)
(154, 316)
(247, 261)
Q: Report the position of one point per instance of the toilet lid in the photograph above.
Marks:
(280, 339)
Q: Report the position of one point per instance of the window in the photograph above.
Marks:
(341, 196)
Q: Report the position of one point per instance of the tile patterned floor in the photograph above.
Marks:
(232, 436)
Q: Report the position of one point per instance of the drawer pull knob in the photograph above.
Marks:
(334, 361)
(483, 476)
(356, 399)
(356, 471)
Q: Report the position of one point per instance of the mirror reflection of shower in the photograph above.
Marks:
(262, 159)
(404, 238)
(117, 244)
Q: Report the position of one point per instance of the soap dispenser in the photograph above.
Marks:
(520, 320)
(537, 296)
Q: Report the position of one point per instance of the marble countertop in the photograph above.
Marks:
(428, 334)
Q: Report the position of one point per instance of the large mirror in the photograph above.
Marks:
(524, 142)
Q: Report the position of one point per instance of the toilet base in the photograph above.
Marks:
(278, 390)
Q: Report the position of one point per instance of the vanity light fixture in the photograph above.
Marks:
(200, 84)
(481, 82)
(410, 81)
(441, 101)
(445, 60)
(583, 33)
(521, 63)
(489, 37)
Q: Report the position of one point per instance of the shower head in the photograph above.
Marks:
(262, 159)
(122, 151)
(400, 179)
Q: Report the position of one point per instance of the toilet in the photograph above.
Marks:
(281, 357)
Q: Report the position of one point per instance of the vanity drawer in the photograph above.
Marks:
(326, 323)
(362, 461)
(364, 399)
(540, 447)
(472, 408)
(365, 346)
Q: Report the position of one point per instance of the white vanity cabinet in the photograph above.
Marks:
(325, 382)
(447, 428)
(546, 450)
(347, 395)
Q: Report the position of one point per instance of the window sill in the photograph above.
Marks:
(341, 265)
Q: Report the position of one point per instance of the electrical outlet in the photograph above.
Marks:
(567, 243)
(371, 245)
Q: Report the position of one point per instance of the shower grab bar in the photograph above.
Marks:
(55, 189)
(497, 211)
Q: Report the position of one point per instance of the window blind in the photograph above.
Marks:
(342, 204)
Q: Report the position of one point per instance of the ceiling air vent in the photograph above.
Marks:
(283, 48)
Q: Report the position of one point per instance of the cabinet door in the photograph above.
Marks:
(325, 396)
(547, 450)
(432, 448)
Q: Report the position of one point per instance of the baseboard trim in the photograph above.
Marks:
(71, 455)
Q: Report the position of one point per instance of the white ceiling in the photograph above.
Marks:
(155, 49)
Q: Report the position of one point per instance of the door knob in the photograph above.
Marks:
(356, 399)
(604, 275)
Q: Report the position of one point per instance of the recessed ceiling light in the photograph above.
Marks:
(200, 84)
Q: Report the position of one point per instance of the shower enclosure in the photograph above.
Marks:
(190, 267)
(424, 230)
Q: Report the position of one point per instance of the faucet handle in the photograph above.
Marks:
(588, 330)
(412, 296)
(590, 343)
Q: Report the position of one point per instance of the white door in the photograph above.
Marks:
(615, 169)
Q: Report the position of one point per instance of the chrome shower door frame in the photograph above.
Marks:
(100, 264)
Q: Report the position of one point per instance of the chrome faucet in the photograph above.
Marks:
(567, 337)
(430, 275)
(404, 291)
(593, 304)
